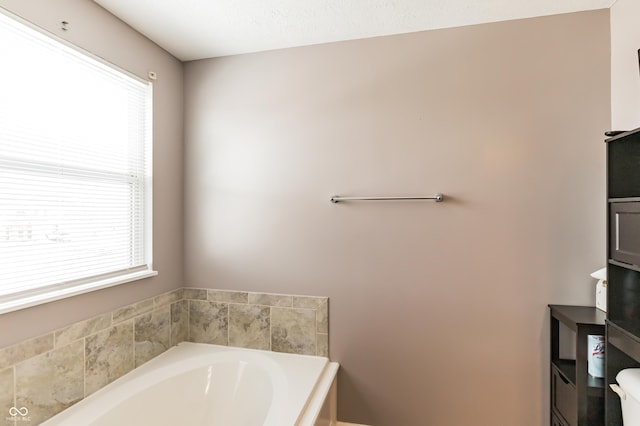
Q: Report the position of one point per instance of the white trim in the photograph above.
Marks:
(57, 294)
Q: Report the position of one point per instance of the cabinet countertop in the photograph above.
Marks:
(578, 315)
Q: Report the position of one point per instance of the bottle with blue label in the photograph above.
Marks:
(595, 361)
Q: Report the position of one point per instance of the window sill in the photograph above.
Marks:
(9, 304)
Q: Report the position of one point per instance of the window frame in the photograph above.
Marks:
(48, 293)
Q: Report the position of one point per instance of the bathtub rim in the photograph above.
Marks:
(326, 387)
(165, 361)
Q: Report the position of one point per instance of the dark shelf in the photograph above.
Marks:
(623, 199)
(624, 136)
(623, 155)
(596, 383)
(620, 337)
(624, 265)
(576, 396)
(623, 294)
(567, 368)
(572, 316)
(623, 273)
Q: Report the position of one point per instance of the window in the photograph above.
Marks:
(75, 176)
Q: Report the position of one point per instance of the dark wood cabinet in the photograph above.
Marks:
(577, 399)
(623, 264)
(555, 421)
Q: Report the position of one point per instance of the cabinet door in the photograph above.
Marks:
(624, 232)
(564, 398)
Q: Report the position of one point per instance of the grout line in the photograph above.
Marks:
(228, 321)
(170, 327)
(15, 387)
(270, 328)
(315, 329)
(84, 367)
(133, 338)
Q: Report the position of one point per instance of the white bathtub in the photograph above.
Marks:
(200, 384)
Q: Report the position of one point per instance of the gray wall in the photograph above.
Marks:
(438, 311)
(625, 81)
(99, 32)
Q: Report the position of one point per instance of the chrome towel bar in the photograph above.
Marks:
(338, 199)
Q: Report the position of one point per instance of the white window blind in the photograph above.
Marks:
(74, 170)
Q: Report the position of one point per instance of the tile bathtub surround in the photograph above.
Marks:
(6, 396)
(293, 330)
(208, 322)
(179, 322)
(48, 373)
(276, 322)
(249, 326)
(152, 334)
(109, 354)
(50, 382)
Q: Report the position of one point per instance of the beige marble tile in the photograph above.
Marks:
(249, 326)
(179, 322)
(81, 329)
(109, 355)
(49, 383)
(24, 350)
(270, 299)
(228, 296)
(322, 345)
(168, 298)
(7, 420)
(320, 304)
(308, 302)
(152, 334)
(208, 322)
(293, 330)
(194, 293)
(130, 311)
(6, 396)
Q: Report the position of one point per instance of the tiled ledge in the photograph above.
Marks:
(275, 322)
(49, 373)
